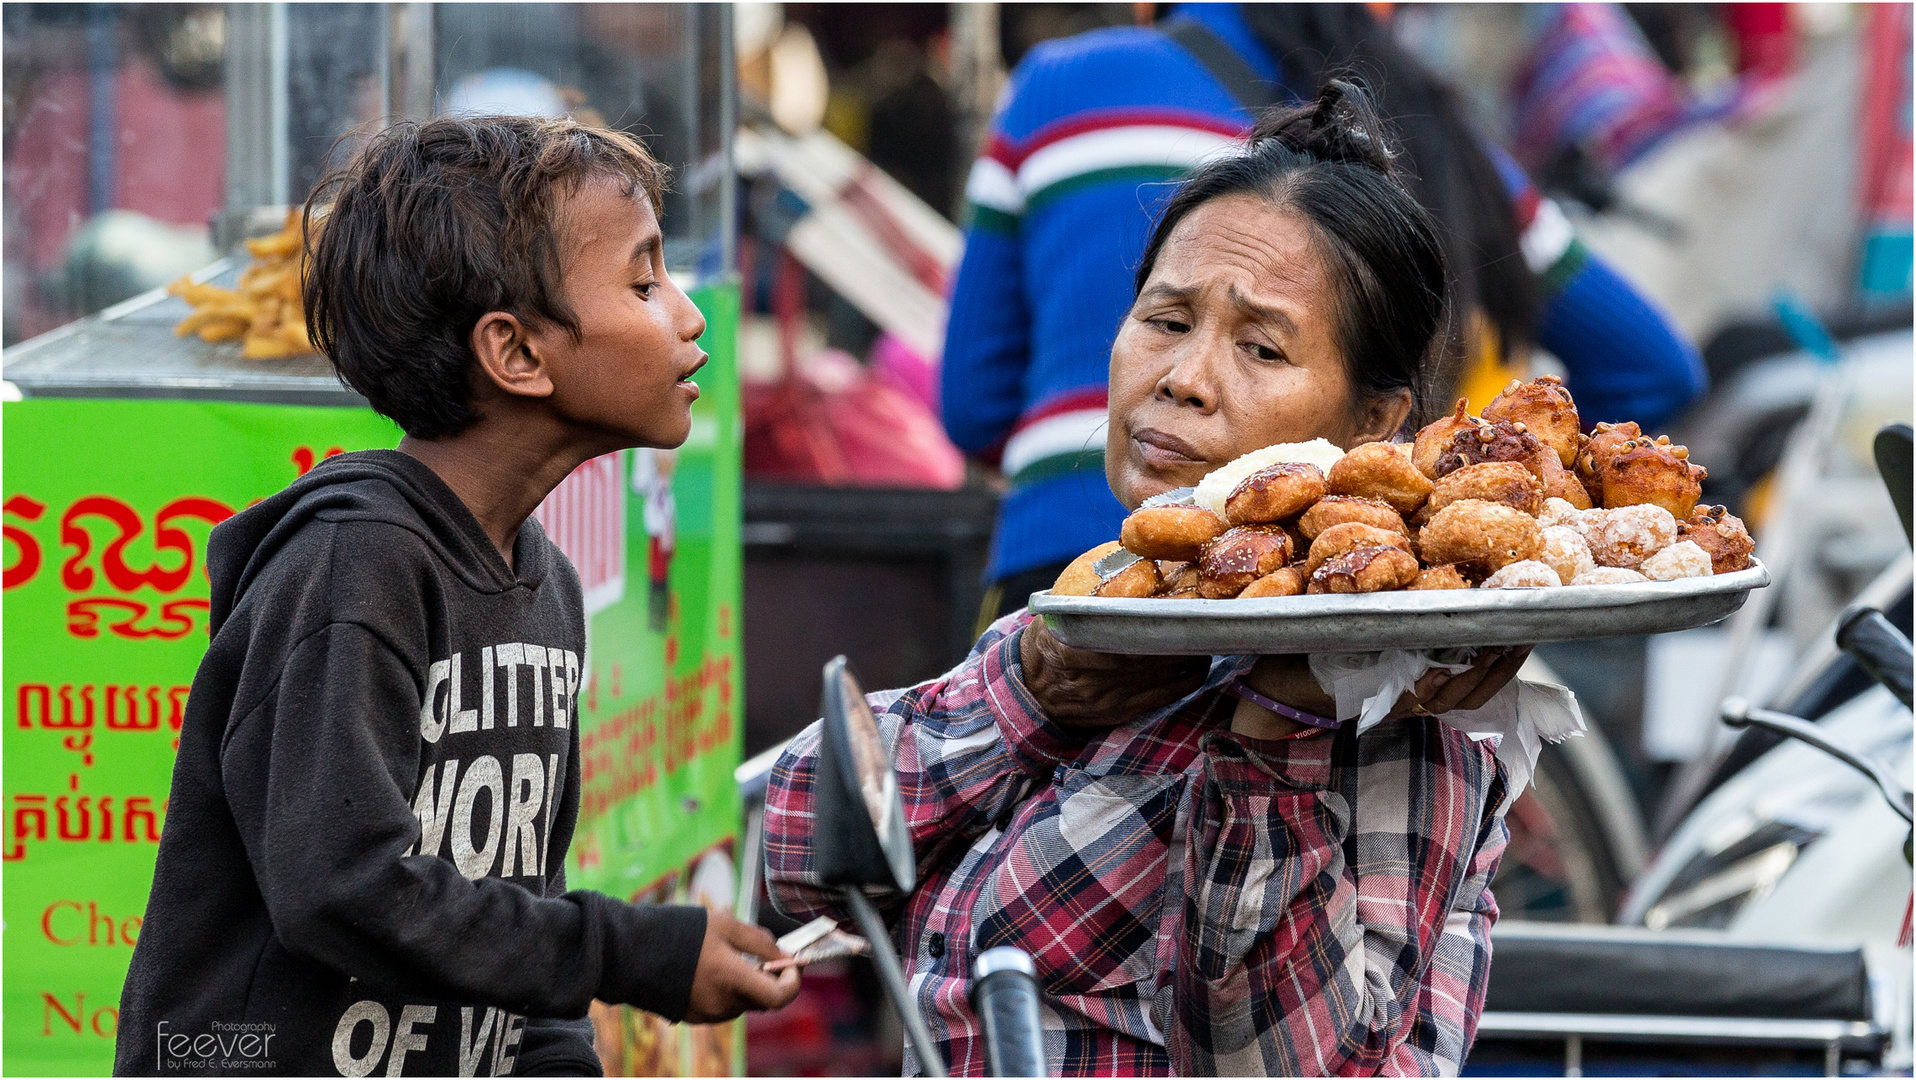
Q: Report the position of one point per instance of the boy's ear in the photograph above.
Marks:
(510, 355)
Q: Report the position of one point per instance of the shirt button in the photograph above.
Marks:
(935, 945)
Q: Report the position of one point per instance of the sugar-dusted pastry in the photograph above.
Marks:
(1627, 535)
(1481, 535)
(1276, 493)
(1565, 551)
(1559, 512)
(1607, 575)
(1682, 559)
(1434, 440)
(1169, 532)
(1381, 568)
(1505, 482)
(1545, 408)
(1381, 471)
(1338, 509)
(1721, 533)
(1349, 536)
(1240, 556)
(1526, 574)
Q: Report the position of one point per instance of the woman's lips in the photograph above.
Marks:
(1162, 450)
(685, 382)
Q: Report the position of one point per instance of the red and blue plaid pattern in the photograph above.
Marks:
(1196, 902)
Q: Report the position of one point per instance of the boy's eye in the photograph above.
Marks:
(645, 289)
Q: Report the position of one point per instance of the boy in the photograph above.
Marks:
(378, 777)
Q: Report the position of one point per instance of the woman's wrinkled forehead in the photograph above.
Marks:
(1265, 260)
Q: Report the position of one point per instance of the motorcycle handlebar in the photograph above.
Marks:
(1004, 993)
(1878, 646)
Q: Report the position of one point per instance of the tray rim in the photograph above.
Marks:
(1567, 598)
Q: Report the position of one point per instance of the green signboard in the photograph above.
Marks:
(107, 505)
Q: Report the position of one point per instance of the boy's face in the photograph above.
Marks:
(629, 375)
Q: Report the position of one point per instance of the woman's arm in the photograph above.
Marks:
(965, 746)
(1295, 960)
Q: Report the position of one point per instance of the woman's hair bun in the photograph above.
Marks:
(1340, 125)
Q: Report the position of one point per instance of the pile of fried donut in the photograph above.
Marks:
(1517, 497)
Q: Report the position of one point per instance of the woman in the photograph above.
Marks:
(1206, 884)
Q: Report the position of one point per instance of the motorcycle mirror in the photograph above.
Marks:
(861, 836)
(1893, 461)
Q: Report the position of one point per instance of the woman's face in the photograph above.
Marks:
(1231, 346)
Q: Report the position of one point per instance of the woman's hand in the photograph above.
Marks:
(1288, 679)
(1080, 689)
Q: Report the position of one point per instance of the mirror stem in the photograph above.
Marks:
(885, 959)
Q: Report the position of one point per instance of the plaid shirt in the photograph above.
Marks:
(1196, 901)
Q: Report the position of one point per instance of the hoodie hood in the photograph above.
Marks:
(370, 485)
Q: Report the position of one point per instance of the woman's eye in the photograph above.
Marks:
(1175, 326)
(645, 289)
(1263, 352)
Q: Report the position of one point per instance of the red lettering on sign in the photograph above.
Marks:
(176, 618)
(22, 569)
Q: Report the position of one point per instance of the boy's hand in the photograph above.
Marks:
(728, 982)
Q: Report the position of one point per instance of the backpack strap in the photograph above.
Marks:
(1223, 62)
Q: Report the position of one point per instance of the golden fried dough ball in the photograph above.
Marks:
(1349, 536)
(1381, 471)
(1597, 452)
(1364, 570)
(1284, 581)
(1544, 407)
(1682, 559)
(1240, 556)
(1433, 441)
(1275, 493)
(1527, 574)
(1176, 576)
(1439, 577)
(1337, 509)
(1169, 532)
(1501, 441)
(1492, 481)
(1134, 582)
(1608, 575)
(1079, 578)
(1721, 533)
(1481, 535)
(1562, 483)
(1627, 535)
(1565, 551)
(1657, 473)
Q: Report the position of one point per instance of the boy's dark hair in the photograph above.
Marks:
(430, 226)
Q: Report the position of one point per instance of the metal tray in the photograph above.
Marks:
(1394, 620)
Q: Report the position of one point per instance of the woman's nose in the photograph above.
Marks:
(1192, 379)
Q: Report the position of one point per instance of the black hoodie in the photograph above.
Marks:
(362, 868)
